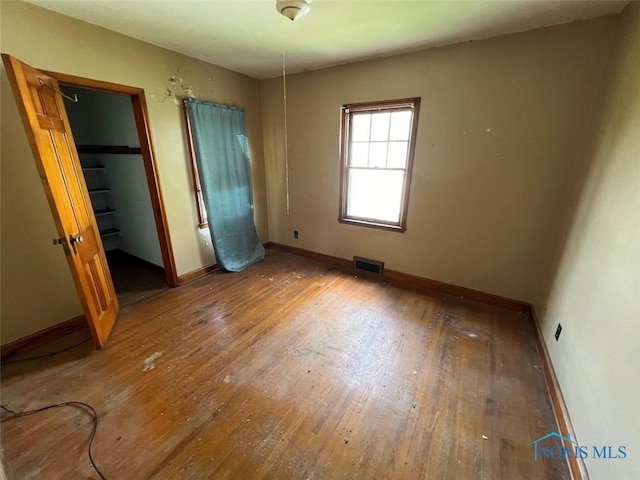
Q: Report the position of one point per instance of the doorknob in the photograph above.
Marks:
(73, 239)
(59, 241)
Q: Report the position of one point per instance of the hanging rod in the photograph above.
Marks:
(73, 99)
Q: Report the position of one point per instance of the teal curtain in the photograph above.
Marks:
(222, 155)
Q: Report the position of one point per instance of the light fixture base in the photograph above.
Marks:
(292, 9)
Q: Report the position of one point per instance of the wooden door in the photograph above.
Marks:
(45, 120)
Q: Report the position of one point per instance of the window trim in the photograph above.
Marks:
(202, 212)
(345, 125)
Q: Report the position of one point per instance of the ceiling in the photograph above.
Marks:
(249, 36)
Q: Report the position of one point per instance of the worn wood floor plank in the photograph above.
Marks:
(290, 369)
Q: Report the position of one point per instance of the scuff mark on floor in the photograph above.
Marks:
(148, 362)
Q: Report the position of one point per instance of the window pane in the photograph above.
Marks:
(360, 123)
(380, 126)
(400, 125)
(378, 154)
(397, 155)
(359, 154)
(375, 194)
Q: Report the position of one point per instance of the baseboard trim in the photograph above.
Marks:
(413, 280)
(201, 272)
(195, 274)
(577, 468)
(319, 257)
(43, 336)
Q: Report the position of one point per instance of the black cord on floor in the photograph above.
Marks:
(5, 362)
(37, 342)
(66, 404)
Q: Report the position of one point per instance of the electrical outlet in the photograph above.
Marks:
(295, 234)
(558, 332)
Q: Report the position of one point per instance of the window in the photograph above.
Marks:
(376, 157)
(195, 177)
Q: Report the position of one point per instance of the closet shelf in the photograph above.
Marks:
(112, 149)
(97, 167)
(99, 190)
(107, 232)
(104, 211)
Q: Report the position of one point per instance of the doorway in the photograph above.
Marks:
(44, 116)
(122, 187)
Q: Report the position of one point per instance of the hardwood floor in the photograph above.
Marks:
(290, 369)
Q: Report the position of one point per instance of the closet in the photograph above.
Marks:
(104, 130)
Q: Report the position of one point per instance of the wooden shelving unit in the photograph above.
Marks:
(107, 232)
(109, 149)
(98, 185)
(104, 211)
(99, 190)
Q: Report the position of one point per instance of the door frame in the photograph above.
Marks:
(141, 115)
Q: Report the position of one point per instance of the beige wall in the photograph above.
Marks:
(525, 184)
(501, 125)
(596, 287)
(36, 289)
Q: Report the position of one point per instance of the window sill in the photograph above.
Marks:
(372, 224)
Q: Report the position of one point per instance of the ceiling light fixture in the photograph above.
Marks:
(292, 9)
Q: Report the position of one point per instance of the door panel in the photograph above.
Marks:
(45, 119)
